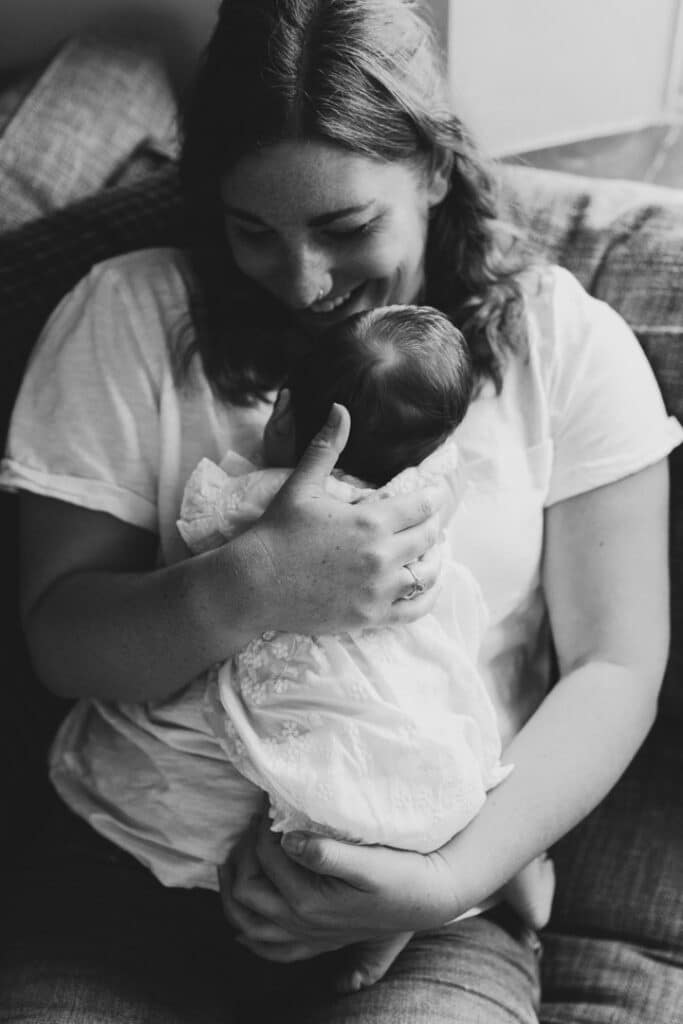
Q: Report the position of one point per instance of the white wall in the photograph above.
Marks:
(530, 73)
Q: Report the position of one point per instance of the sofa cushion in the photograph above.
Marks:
(99, 112)
(624, 242)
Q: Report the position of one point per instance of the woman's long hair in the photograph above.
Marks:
(365, 75)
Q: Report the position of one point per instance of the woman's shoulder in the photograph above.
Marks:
(117, 320)
(564, 321)
(550, 289)
(162, 272)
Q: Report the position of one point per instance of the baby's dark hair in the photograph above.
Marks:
(405, 375)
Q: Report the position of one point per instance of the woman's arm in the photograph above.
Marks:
(102, 621)
(606, 581)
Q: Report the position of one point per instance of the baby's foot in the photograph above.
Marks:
(531, 892)
(370, 961)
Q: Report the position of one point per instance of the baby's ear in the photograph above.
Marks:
(281, 407)
(278, 436)
(439, 180)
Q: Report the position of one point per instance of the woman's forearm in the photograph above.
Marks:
(566, 758)
(136, 636)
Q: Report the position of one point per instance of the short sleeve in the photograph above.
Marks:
(85, 427)
(607, 416)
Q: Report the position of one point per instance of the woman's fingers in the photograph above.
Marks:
(416, 576)
(363, 868)
(250, 902)
(288, 878)
(250, 924)
(408, 545)
(405, 511)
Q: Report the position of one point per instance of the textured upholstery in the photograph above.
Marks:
(99, 112)
(624, 242)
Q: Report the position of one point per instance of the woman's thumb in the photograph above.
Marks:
(327, 857)
(322, 452)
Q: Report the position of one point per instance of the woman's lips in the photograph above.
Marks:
(327, 305)
(338, 304)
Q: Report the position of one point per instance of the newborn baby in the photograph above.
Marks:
(382, 735)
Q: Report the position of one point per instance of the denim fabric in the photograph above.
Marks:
(93, 939)
(595, 980)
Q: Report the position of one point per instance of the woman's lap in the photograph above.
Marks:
(91, 938)
(483, 971)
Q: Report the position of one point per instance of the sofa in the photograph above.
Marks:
(614, 946)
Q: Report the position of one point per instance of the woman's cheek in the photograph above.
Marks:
(250, 264)
(380, 259)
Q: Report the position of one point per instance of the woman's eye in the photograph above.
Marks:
(356, 231)
(251, 234)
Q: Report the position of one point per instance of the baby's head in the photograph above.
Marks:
(405, 376)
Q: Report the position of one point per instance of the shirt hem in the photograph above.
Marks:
(90, 494)
(599, 474)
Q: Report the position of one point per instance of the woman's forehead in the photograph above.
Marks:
(311, 178)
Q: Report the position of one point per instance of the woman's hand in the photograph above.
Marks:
(293, 905)
(325, 565)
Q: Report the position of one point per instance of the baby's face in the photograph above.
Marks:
(279, 447)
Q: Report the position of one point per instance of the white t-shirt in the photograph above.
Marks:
(99, 422)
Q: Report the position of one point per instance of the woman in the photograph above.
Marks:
(324, 174)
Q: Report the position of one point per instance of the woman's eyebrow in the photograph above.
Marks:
(346, 211)
(316, 222)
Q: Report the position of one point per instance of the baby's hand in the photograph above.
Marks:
(369, 961)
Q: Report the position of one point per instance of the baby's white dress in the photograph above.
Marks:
(377, 736)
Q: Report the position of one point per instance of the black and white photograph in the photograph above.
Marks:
(341, 488)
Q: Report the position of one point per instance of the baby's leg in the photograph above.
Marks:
(370, 961)
(531, 892)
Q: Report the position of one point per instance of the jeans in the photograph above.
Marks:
(93, 938)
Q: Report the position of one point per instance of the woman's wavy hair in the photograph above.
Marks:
(365, 75)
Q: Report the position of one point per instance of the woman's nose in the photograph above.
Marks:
(305, 276)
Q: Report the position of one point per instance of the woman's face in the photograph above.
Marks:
(328, 232)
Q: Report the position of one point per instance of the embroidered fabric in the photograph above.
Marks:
(378, 736)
